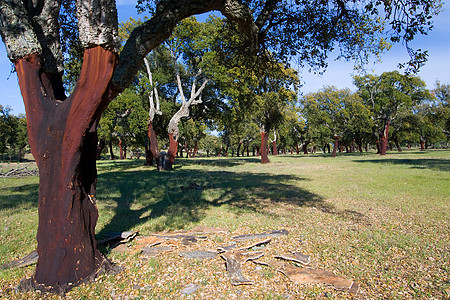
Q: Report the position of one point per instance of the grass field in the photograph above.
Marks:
(380, 221)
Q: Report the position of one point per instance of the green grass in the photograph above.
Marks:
(382, 221)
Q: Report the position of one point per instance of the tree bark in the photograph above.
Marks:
(63, 141)
(111, 152)
(153, 143)
(384, 139)
(274, 147)
(397, 144)
(336, 145)
(305, 147)
(173, 149)
(264, 148)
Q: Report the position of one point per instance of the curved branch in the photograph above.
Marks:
(168, 13)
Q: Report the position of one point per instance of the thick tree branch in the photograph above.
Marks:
(168, 13)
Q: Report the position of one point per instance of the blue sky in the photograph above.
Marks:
(338, 73)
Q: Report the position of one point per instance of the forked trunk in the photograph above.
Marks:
(305, 147)
(336, 145)
(397, 144)
(264, 148)
(63, 141)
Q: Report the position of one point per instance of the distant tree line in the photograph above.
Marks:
(13, 135)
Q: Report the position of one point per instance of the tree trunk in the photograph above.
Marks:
(111, 152)
(274, 147)
(173, 149)
(305, 147)
(120, 150)
(336, 145)
(384, 139)
(264, 148)
(63, 141)
(397, 144)
(238, 148)
(195, 149)
(101, 145)
(153, 145)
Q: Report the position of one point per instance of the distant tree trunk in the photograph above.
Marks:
(377, 144)
(121, 156)
(264, 148)
(101, 145)
(354, 145)
(172, 153)
(336, 145)
(238, 148)
(248, 151)
(153, 145)
(111, 152)
(305, 147)
(20, 154)
(384, 139)
(397, 144)
(274, 144)
(194, 153)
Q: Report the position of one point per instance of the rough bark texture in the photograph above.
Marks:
(64, 147)
(264, 148)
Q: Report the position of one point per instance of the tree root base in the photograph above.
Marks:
(31, 285)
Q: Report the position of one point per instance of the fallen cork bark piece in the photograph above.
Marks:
(116, 238)
(271, 233)
(234, 260)
(148, 241)
(185, 239)
(257, 244)
(204, 229)
(309, 275)
(233, 246)
(198, 254)
(297, 257)
(153, 251)
(29, 259)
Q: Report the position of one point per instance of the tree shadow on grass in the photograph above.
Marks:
(184, 196)
(19, 196)
(419, 163)
(220, 162)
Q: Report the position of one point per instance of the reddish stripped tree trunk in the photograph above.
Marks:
(384, 139)
(194, 153)
(264, 148)
(274, 147)
(63, 141)
(153, 144)
(336, 145)
(120, 150)
(173, 149)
